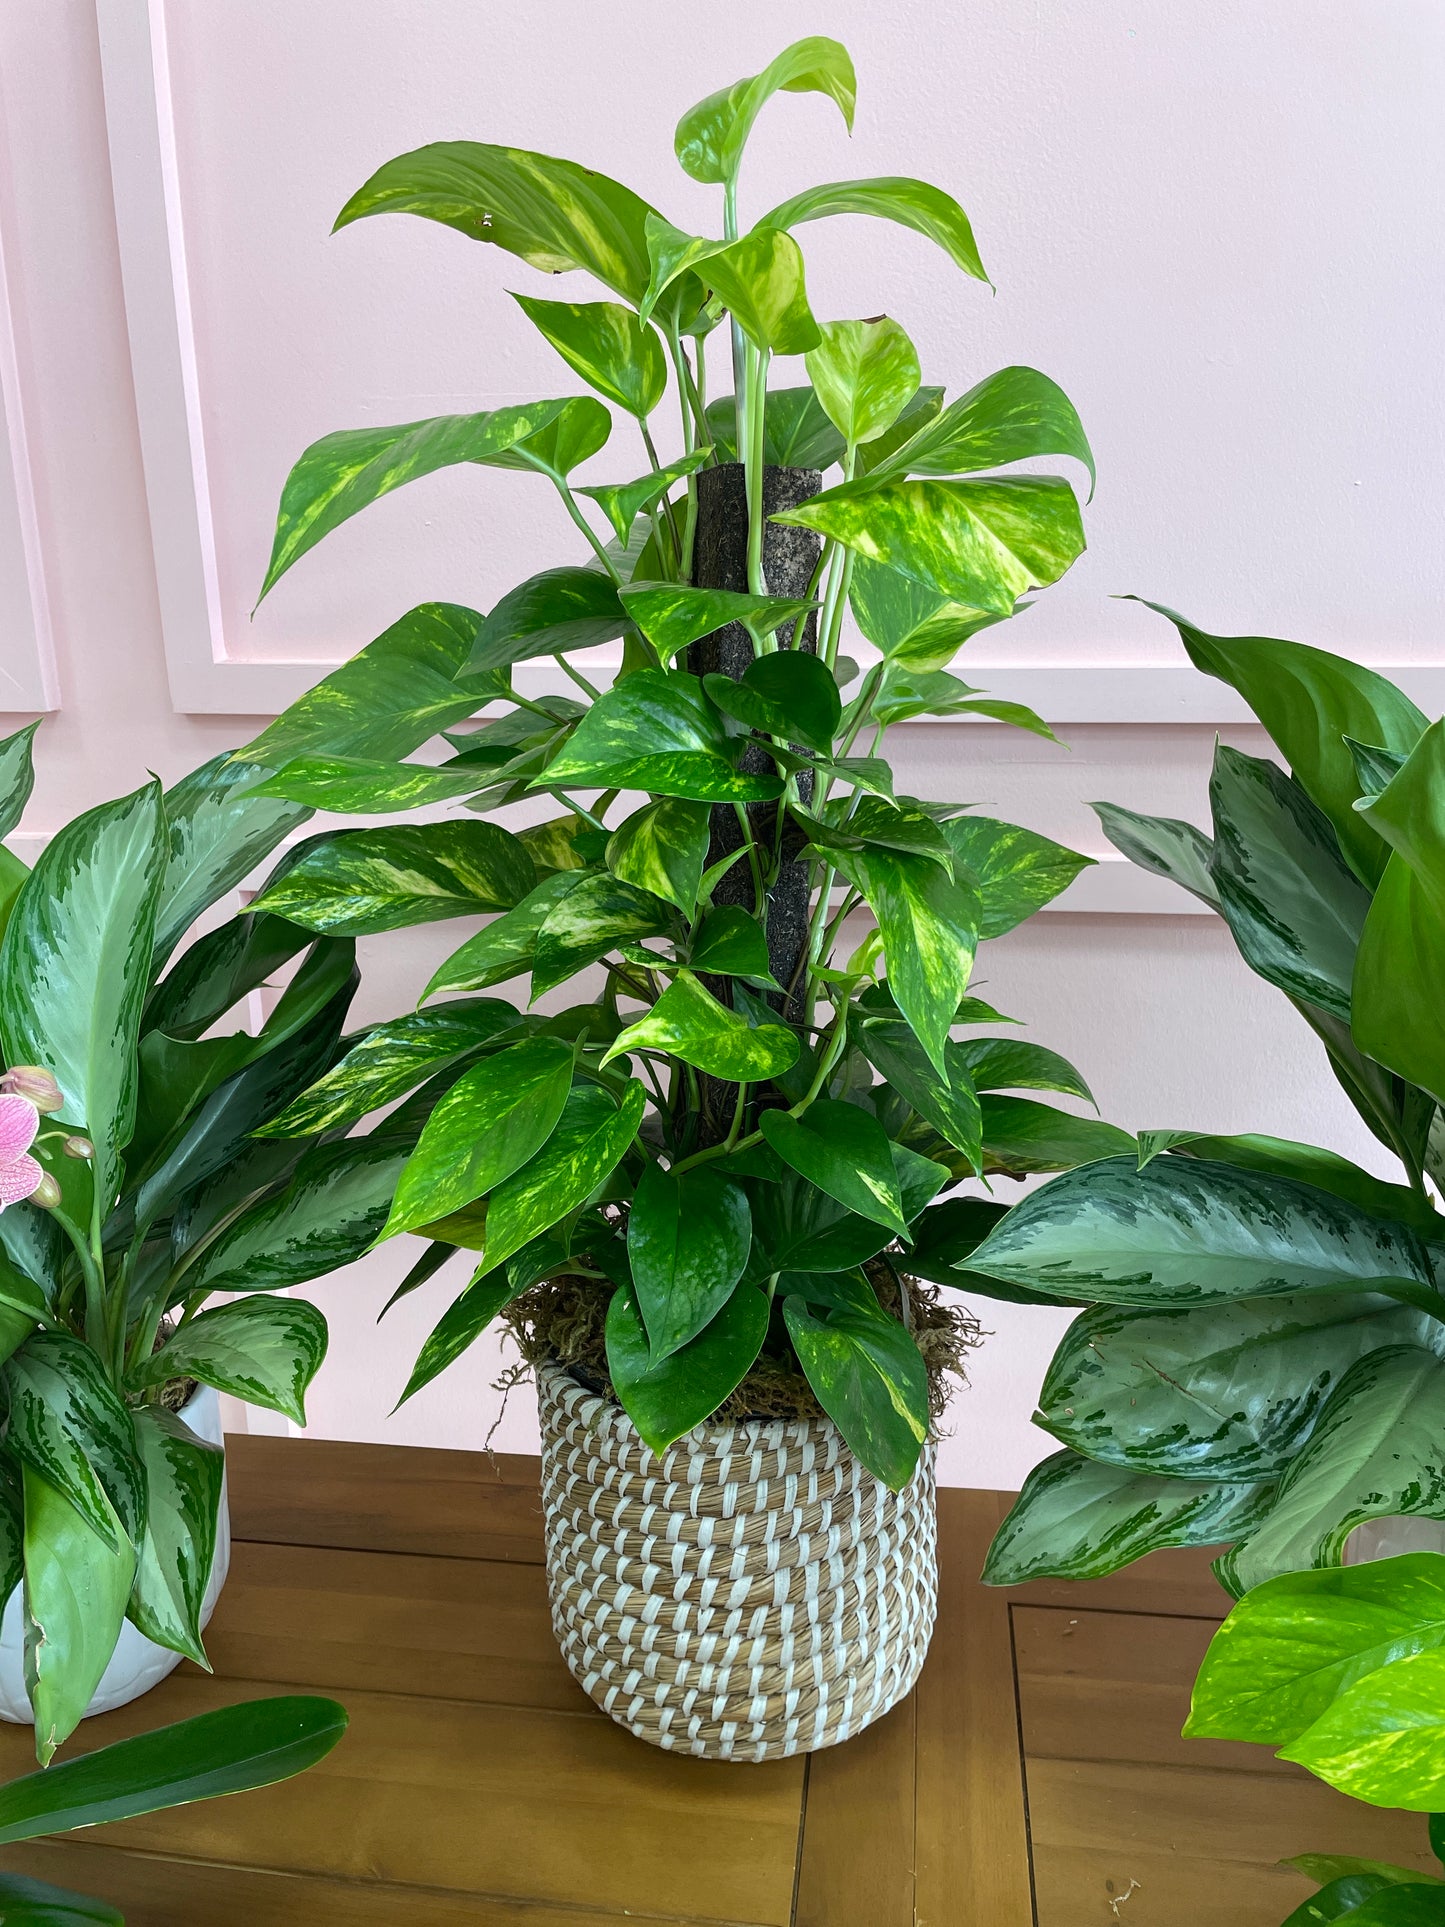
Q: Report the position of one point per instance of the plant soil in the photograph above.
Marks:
(564, 1319)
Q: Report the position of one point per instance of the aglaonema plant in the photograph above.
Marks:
(132, 1193)
(748, 1105)
(231, 1750)
(1261, 1358)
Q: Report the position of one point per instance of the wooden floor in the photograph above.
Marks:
(1036, 1776)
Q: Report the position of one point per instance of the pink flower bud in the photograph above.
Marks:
(46, 1194)
(78, 1147)
(31, 1081)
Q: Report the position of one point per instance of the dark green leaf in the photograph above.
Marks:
(184, 1479)
(1011, 1064)
(949, 1103)
(891, 197)
(217, 971)
(664, 1400)
(264, 1350)
(552, 214)
(359, 882)
(1310, 701)
(252, 1744)
(1076, 1519)
(75, 967)
(468, 1315)
(789, 694)
(548, 614)
(492, 1120)
(869, 1377)
(35, 1903)
(796, 432)
(845, 1152)
(219, 826)
(327, 1217)
(1295, 909)
(68, 1422)
(1164, 846)
(504, 947)
(688, 1236)
(589, 1142)
(77, 1584)
(674, 614)
(687, 1021)
(730, 943)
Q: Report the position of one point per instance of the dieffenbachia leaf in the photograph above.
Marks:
(494, 1118)
(1186, 1232)
(1396, 1005)
(890, 197)
(688, 1238)
(220, 823)
(77, 1585)
(184, 1480)
(980, 544)
(1017, 871)
(550, 613)
(347, 471)
(75, 966)
(359, 882)
(710, 137)
(262, 1349)
(687, 1021)
(1375, 1452)
(666, 1398)
(589, 1142)
(1227, 1391)
(1076, 1519)
(864, 373)
(17, 776)
(1007, 417)
(1164, 846)
(607, 346)
(67, 1421)
(655, 730)
(552, 214)
(1307, 1163)
(1293, 906)
(1310, 701)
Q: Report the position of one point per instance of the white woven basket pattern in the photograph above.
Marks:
(752, 1594)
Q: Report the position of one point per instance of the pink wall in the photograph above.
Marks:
(1218, 229)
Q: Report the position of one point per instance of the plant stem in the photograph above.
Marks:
(739, 341)
(576, 675)
(599, 549)
(753, 469)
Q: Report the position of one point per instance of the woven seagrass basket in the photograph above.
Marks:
(753, 1593)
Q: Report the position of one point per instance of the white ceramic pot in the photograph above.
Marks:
(137, 1664)
(1388, 1538)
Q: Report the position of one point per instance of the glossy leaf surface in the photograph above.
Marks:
(687, 1021)
(602, 913)
(1164, 846)
(1007, 417)
(607, 346)
(77, 1584)
(589, 1142)
(264, 1350)
(68, 1423)
(360, 882)
(548, 614)
(668, 1398)
(688, 1237)
(864, 374)
(673, 614)
(655, 730)
(710, 137)
(662, 849)
(890, 197)
(1017, 871)
(184, 1477)
(789, 694)
(869, 1377)
(845, 1152)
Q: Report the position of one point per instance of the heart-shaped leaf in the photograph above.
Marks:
(655, 730)
(672, 615)
(845, 1152)
(865, 373)
(789, 694)
(548, 614)
(589, 1142)
(711, 136)
(688, 1236)
(668, 1397)
(360, 882)
(687, 1021)
(661, 849)
(607, 346)
(1008, 417)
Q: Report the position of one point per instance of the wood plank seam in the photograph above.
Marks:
(802, 1831)
(1023, 1764)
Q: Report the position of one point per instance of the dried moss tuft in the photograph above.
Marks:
(564, 1319)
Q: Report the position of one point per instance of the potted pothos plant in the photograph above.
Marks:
(705, 1194)
(132, 1194)
(1260, 1356)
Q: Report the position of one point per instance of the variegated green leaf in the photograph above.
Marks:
(1007, 417)
(347, 471)
(688, 1237)
(77, 1585)
(864, 374)
(607, 346)
(789, 694)
(184, 1479)
(504, 947)
(17, 776)
(890, 197)
(1164, 846)
(261, 1349)
(358, 882)
(219, 826)
(623, 502)
(68, 1422)
(655, 730)
(845, 1152)
(601, 914)
(661, 849)
(1076, 1519)
(1017, 870)
(687, 1021)
(550, 613)
(868, 1375)
(356, 786)
(666, 1398)
(673, 614)
(589, 1142)
(1383, 1740)
(710, 137)
(918, 628)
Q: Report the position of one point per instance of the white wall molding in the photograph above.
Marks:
(28, 678)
